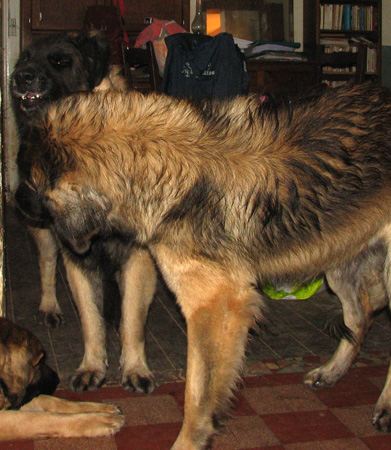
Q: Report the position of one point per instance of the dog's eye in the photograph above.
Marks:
(25, 57)
(4, 388)
(60, 62)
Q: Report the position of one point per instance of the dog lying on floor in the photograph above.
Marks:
(28, 411)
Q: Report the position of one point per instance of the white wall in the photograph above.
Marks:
(10, 50)
(386, 22)
(298, 21)
(386, 42)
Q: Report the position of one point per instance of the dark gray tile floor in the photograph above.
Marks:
(295, 330)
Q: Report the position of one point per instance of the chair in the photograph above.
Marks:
(140, 68)
(343, 60)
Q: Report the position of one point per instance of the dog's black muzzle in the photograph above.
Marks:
(30, 87)
(47, 383)
(30, 204)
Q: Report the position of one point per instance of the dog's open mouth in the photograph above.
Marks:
(31, 101)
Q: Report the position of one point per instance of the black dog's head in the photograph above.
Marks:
(56, 66)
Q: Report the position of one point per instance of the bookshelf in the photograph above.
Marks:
(343, 25)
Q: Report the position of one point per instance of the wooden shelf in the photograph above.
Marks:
(315, 35)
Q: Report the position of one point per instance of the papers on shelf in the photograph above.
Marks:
(242, 43)
(281, 56)
(273, 49)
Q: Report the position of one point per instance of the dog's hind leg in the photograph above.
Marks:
(87, 292)
(138, 284)
(354, 295)
(47, 256)
(382, 413)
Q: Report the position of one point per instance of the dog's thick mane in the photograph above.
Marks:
(281, 168)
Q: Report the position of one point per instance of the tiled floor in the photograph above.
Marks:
(274, 410)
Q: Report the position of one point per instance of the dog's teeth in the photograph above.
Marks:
(31, 96)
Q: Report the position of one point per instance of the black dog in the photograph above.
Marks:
(50, 69)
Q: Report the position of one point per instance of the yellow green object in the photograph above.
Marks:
(295, 292)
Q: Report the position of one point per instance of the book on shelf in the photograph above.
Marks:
(338, 45)
(371, 60)
(328, 70)
(351, 45)
(347, 17)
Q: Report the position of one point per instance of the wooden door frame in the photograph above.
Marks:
(9, 133)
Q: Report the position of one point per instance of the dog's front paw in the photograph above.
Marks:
(319, 379)
(113, 423)
(97, 424)
(51, 319)
(109, 408)
(381, 419)
(87, 380)
(137, 383)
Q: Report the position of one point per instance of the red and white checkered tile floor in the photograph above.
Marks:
(271, 412)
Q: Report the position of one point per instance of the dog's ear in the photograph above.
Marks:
(35, 350)
(36, 359)
(96, 51)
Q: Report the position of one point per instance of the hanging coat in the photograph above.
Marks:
(199, 66)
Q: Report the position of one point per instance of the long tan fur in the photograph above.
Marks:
(225, 196)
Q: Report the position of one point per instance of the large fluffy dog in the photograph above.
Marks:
(26, 382)
(48, 70)
(227, 195)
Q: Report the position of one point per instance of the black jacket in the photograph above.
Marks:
(199, 66)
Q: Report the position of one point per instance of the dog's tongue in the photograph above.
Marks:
(31, 100)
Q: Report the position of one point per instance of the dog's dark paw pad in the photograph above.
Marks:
(382, 421)
(86, 381)
(139, 384)
(54, 320)
(51, 319)
(317, 380)
(320, 384)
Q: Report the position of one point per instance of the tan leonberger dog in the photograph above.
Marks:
(227, 195)
(27, 409)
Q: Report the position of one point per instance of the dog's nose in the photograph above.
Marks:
(29, 202)
(26, 76)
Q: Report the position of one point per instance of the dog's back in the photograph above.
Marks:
(295, 175)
